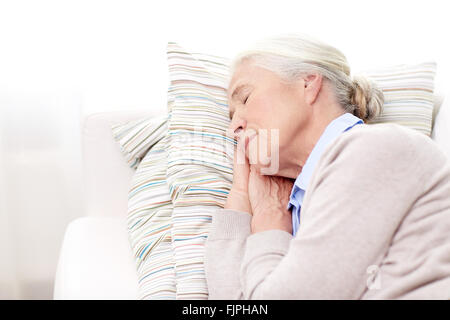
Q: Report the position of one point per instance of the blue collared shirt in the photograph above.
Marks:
(332, 131)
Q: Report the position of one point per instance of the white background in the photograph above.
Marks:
(61, 60)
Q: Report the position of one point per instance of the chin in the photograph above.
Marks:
(271, 169)
(266, 165)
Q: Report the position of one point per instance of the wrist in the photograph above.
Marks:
(265, 209)
(271, 219)
(238, 200)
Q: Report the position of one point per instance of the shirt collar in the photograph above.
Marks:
(331, 132)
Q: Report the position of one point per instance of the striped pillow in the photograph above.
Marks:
(143, 143)
(149, 224)
(136, 137)
(200, 169)
(408, 92)
(185, 173)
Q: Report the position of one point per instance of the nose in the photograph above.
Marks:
(237, 125)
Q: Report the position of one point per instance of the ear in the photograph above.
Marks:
(313, 85)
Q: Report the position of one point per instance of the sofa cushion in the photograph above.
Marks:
(96, 261)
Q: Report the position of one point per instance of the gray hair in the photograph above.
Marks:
(293, 55)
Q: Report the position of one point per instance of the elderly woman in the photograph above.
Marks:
(354, 211)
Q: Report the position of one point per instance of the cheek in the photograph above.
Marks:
(289, 124)
(278, 110)
(266, 111)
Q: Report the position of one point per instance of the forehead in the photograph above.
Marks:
(245, 74)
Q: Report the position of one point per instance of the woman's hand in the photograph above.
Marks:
(238, 196)
(269, 197)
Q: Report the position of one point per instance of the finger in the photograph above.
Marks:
(241, 167)
(256, 182)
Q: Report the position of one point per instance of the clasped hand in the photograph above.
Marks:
(264, 197)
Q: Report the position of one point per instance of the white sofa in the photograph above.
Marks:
(96, 261)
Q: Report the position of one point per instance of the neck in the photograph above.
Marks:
(306, 139)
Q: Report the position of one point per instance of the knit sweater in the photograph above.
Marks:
(375, 224)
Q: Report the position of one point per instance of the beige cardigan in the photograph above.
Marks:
(375, 224)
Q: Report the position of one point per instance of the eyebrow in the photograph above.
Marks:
(237, 90)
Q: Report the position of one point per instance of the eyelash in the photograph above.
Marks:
(245, 100)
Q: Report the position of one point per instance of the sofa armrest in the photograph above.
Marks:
(106, 174)
(96, 261)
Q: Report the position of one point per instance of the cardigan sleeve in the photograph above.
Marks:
(362, 188)
(223, 253)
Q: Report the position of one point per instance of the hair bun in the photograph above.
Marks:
(366, 97)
